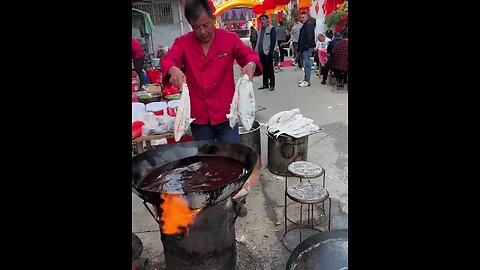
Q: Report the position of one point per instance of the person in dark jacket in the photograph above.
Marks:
(253, 36)
(339, 63)
(267, 36)
(306, 43)
(330, 46)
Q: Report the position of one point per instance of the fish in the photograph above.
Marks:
(232, 116)
(182, 119)
(246, 102)
(306, 130)
(281, 118)
(297, 122)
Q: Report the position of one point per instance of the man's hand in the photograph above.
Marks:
(249, 69)
(177, 78)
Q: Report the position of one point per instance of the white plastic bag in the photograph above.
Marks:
(246, 102)
(182, 119)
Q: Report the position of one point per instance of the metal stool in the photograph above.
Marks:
(310, 194)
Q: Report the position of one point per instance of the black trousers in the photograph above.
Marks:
(138, 63)
(295, 47)
(254, 43)
(325, 70)
(282, 51)
(268, 74)
(316, 59)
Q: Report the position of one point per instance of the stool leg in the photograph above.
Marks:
(285, 213)
(312, 215)
(324, 178)
(301, 221)
(308, 214)
(329, 212)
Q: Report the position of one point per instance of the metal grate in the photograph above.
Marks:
(160, 13)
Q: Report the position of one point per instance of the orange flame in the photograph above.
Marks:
(176, 213)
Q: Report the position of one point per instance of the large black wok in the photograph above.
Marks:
(323, 251)
(145, 162)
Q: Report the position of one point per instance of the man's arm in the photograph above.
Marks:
(273, 40)
(172, 62)
(309, 35)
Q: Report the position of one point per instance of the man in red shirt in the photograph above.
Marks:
(138, 58)
(206, 56)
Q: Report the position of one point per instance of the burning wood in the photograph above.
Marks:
(177, 215)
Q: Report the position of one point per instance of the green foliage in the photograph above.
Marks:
(291, 19)
(333, 18)
(336, 16)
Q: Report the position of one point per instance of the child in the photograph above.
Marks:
(276, 60)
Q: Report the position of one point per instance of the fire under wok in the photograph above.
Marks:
(171, 156)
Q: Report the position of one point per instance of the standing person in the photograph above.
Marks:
(138, 57)
(206, 56)
(253, 37)
(295, 33)
(265, 46)
(281, 38)
(306, 43)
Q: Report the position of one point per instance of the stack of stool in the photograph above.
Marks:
(312, 195)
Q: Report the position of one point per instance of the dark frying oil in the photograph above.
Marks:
(197, 173)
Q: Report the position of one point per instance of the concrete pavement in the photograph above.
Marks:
(261, 231)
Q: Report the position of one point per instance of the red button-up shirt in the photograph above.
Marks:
(209, 78)
(137, 51)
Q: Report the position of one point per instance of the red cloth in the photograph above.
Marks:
(323, 56)
(137, 51)
(210, 79)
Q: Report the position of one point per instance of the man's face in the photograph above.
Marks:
(264, 22)
(303, 18)
(203, 28)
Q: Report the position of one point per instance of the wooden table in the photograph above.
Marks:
(138, 143)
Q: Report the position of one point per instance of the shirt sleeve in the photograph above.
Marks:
(244, 54)
(309, 36)
(273, 40)
(137, 51)
(174, 57)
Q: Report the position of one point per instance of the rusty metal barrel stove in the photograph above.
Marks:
(284, 150)
(209, 242)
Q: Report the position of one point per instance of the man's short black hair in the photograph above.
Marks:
(304, 12)
(195, 8)
(263, 15)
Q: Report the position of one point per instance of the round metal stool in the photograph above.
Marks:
(307, 170)
(310, 194)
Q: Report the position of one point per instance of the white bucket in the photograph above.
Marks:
(156, 106)
(138, 110)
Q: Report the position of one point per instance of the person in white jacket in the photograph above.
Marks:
(322, 42)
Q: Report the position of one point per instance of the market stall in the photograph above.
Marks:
(153, 112)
